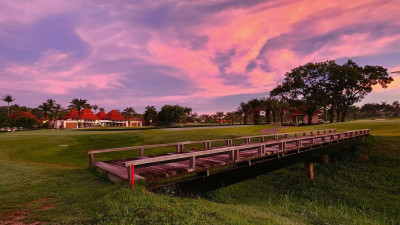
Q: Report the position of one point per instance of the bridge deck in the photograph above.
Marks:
(161, 167)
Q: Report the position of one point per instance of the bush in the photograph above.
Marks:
(19, 119)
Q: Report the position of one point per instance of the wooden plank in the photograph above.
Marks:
(112, 169)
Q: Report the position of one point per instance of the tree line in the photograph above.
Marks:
(325, 86)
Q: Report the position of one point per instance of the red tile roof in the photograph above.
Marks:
(101, 115)
(87, 114)
(114, 115)
(72, 114)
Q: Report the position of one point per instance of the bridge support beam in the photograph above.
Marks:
(309, 169)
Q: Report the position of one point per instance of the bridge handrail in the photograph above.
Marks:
(192, 155)
(91, 152)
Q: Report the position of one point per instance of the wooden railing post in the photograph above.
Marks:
(312, 133)
(286, 135)
(236, 155)
(282, 148)
(91, 158)
(309, 169)
(262, 138)
(192, 163)
(261, 150)
(141, 152)
(131, 175)
(231, 155)
(247, 140)
(304, 133)
(276, 136)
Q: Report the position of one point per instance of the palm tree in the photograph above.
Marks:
(95, 107)
(101, 109)
(150, 115)
(129, 112)
(57, 108)
(78, 104)
(45, 107)
(244, 109)
(51, 102)
(8, 99)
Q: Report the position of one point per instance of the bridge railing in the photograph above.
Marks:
(325, 138)
(179, 146)
(233, 151)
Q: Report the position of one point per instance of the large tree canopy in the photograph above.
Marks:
(304, 88)
(316, 85)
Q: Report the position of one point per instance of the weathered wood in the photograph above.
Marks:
(192, 163)
(172, 164)
(309, 169)
(141, 152)
(112, 169)
(91, 157)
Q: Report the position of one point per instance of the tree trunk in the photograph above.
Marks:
(281, 118)
(310, 118)
(274, 116)
(338, 114)
(332, 113)
(344, 112)
(245, 120)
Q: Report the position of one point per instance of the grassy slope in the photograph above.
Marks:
(361, 186)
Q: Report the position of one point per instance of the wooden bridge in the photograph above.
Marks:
(251, 154)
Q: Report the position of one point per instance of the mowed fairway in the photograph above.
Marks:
(44, 177)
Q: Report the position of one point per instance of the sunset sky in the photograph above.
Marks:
(208, 55)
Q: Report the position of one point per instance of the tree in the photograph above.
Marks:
(280, 105)
(56, 110)
(8, 99)
(219, 115)
(231, 117)
(101, 109)
(45, 107)
(396, 108)
(19, 119)
(150, 115)
(129, 112)
(171, 114)
(370, 109)
(256, 105)
(359, 82)
(95, 107)
(303, 88)
(244, 109)
(78, 104)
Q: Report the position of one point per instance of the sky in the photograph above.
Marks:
(209, 55)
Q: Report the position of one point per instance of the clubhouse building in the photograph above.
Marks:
(88, 119)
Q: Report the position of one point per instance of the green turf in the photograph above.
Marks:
(43, 181)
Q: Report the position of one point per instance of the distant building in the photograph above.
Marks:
(89, 119)
(300, 117)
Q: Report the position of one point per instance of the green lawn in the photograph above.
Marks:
(42, 180)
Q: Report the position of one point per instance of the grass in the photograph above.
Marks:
(42, 180)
